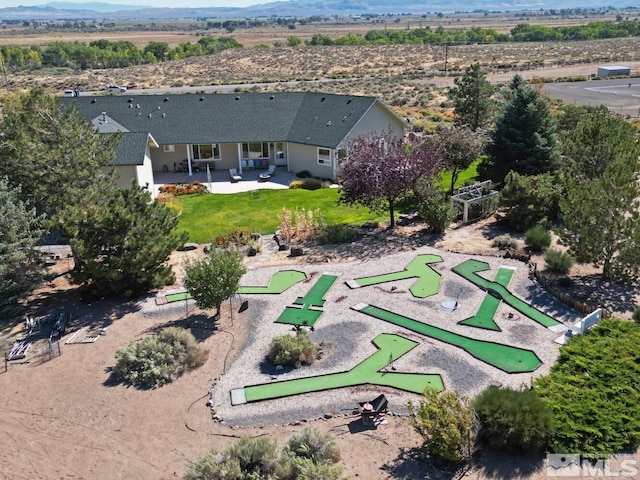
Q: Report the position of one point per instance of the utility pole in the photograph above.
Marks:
(446, 57)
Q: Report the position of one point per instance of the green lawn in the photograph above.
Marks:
(209, 215)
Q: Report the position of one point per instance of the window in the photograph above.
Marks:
(206, 152)
(255, 150)
(169, 148)
(279, 150)
(324, 156)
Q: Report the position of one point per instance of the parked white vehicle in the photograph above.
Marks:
(116, 88)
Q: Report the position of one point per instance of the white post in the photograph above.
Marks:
(240, 158)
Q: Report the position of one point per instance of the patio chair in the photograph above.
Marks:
(271, 171)
(235, 176)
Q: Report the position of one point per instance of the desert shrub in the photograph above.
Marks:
(246, 459)
(504, 241)
(158, 359)
(537, 238)
(339, 234)
(307, 184)
(294, 350)
(558, 261)
(314, 445)
(593, 391)
(307, 469)
(309, 455)
(636, 314)
(446, 423)
(513, 420)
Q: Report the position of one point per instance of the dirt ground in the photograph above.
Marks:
(66, 418)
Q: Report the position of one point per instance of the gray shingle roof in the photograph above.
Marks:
(313, 118)
(131, 149)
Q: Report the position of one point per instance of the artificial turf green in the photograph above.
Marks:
(370, 371)
(505, 357)
(176, 297)
(278, 283)
(428, 279)
(489, 306)
(303, 317)
(315, 296)
(469, 271)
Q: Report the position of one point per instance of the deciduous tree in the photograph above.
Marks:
(460, 148)
(214, 279)
(382, 169)
(472, 98)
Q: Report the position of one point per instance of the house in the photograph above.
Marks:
(186, 132)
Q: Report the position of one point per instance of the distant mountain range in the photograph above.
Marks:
(295, 8)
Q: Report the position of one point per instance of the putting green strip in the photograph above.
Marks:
(391, 347)
(176, 297)
(303, 317)
(315, 296)
(469, 271)
(505, 357)
(489, 306)
(428, 279)
(278, 283)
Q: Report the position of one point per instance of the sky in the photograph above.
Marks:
(155, 3)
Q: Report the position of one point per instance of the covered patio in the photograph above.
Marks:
(221, 181)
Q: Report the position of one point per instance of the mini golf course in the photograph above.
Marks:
(304, 316)
(507, 358)
(489, 306)
(278, 283)
(371, 371)
(469, 271)
(428, 279)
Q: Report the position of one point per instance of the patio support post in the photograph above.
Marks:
(240, 158)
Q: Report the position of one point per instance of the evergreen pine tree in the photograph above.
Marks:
(524, 138)
(472, 98)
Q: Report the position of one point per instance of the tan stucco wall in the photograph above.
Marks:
(305, 157)
(377, 120)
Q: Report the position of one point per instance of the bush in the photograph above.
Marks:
(247, 458)
(158, 359)
(304, 174)
(446, 423)
(436, 211)
(314, 445)
(308, 455)
(558, 261)
(294, 350)
(307, 184)
(593, 391)
(339, 234)
(504, 242)
(636, 314)
(513, 420)
(537, 238)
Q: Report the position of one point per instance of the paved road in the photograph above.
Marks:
(621, 96)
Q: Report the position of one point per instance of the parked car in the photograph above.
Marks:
(116, 88)
(71, 93)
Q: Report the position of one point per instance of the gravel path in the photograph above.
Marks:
(346, 336)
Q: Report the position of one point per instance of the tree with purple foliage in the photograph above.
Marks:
(382, 169)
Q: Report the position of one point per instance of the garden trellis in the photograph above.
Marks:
(475, 201)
